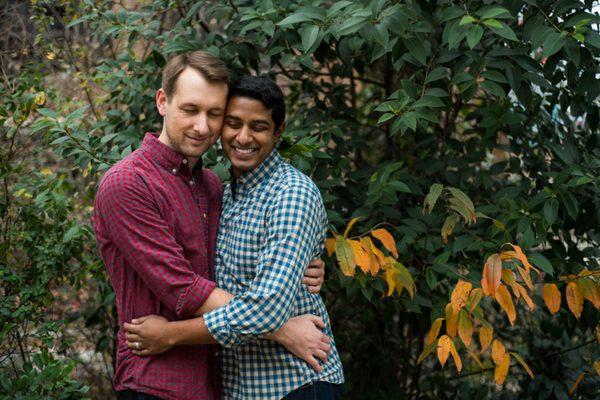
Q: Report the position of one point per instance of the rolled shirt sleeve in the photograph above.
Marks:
(295, 226)
(125, 208)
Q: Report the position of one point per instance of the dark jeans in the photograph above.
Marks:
(317, 391)
(131, 395)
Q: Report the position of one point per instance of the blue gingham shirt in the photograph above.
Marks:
(270, 229)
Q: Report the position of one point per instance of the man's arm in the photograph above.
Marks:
(294, 230)
(124, 209)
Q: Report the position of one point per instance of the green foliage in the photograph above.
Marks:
(390, 104)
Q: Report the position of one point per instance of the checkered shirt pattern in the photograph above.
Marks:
(273, 223)
(156, 225)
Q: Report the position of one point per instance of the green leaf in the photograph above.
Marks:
(432, 197)
(410, 120)
(436, 74)
(416, 49)
(309, 37)
(494, 76)
(571, 204)
(494, 12)
(505, 31)
(551, 210)
(350, 26)
(492, 23)
(540, 261)
(474, 35)
(385, 117)
(553, 43)
(467, 19)
(381, 35)
(493, 88)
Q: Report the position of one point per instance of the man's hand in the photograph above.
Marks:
(303, 337)
(148, 335)
(314, 275)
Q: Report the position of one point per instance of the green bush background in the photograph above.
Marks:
(385, 98)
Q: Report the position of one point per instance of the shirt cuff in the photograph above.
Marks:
(194, 296)
(218, 326)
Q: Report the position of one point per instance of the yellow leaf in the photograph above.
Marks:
(574, 299)
(350, 225)
(389, 278)
(404, 278)
(590, 291)
(526, 277)
(345, 256)
(387, 240)
(465, 327)
(360, 256)
(503, 298)
(526, 297)
(474, 298)
(448, 226)
(474, 357)
(508, 277)
(598, 332)
(486, 332)
(330, 246)
(597, 366)
(451, 321)
(498, 351)
(523, 258)
(434, 331)
(577, 382)
(551, 296)
(501, 370)
(443, 348)
(492, 272)
(523, 363)
(460, 294)
(375, 255)
(456, 357)
(426, 351)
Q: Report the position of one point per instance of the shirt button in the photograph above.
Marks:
(191, 182)
(174, 170)
(184, 161)
(204, 215)
(217, 353)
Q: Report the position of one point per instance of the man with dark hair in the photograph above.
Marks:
(273, 222)
(156, 215)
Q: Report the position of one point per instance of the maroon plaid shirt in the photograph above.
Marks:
(156, 225)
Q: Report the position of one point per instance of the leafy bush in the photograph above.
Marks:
(456, 127)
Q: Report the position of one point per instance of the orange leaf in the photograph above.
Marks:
(526, 277)
(474, 298)
(350, 225)
(434, 331)
(552, 297)
(376, 257)
(492, 272)
(486, 332)
(443, 348)
(474, 357)
(577, 382)
(503, 298)
(526, 297)
(389, 278)
(523, 258)
(345, 256)
(498, 351)
(330, 246)
(465, 327)
(590, 291)
(574, 299)
(387, 240)
(360, 256)
(501, 370)
(455, 357)
(508, 277)
(460, 294)
(426, 351)
(451, 321)
(523, 363)
(597, 366)
(598, 332)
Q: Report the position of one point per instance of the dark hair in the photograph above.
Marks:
(264, 90)
(209, 66)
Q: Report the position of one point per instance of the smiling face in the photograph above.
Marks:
(193, 115)
(248, 135)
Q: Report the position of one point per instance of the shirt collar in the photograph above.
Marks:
(166, 156)
(250, 179)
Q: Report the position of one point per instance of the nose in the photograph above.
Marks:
(201, 124)
(243, 137)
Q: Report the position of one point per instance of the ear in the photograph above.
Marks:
(161, 101)
(279, 132)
